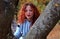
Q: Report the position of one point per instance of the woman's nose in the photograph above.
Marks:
(28, 12)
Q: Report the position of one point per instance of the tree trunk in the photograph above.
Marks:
(46, 21)
(7, 10)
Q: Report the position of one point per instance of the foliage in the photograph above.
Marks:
(40, 4)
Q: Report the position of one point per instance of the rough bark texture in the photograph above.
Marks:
(46, 21)
(41, 27)
(7, 10)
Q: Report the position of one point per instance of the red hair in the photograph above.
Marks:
(21, 13)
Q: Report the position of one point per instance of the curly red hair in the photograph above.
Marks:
(21, 13)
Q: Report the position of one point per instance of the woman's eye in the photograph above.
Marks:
(25, 10)
(28, 10)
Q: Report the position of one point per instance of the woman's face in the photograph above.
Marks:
(29, 12)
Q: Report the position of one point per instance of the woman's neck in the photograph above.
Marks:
(30, 20)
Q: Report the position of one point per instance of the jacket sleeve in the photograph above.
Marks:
(18, 32)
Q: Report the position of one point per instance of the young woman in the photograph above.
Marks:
(26, 17)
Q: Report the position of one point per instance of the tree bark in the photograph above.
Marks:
(7, 10)
(46, 21)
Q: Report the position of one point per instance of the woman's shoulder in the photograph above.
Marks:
(23, 22)
(20, 24)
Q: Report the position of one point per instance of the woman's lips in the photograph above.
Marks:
(28, 15)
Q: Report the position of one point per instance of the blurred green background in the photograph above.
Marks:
(40, 4)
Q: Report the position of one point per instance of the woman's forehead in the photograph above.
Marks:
(29, 7)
